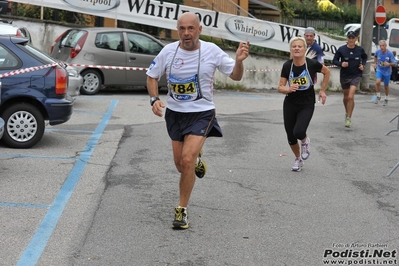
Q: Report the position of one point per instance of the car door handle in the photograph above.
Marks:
(132, 58)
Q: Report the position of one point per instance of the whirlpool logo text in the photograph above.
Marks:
(250, 30)
(93, 5)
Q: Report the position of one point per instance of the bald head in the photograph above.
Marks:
(188, 17)
(189, 29)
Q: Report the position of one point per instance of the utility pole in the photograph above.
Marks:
(366, 39)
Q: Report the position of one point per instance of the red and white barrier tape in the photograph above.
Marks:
(26, 70)
(145, 69)
(263, 70)
(271, 70)
(30, 69)
(110, 67)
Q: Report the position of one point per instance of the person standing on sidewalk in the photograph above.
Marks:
(189, 65)
(384, 60)
(297, 83)
(352, 59)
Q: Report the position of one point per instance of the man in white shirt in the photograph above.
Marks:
(189, 65)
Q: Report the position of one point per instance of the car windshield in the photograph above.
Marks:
(144, 41)
(139, 43)
(71, 38)
(40, 55)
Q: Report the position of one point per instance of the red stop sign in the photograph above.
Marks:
(380, 15)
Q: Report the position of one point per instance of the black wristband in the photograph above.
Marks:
(153, 100)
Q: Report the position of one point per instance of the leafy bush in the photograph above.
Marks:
(308, 9)
(32, 11)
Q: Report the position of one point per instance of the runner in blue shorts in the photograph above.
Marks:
(384, 60)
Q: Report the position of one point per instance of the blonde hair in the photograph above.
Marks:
(298, 38)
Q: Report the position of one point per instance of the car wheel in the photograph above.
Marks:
(92, 82)
(24, 126)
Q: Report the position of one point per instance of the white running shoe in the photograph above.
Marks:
(305, 152)
(385, 102)
(297, 165)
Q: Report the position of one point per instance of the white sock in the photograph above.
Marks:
(378, 94)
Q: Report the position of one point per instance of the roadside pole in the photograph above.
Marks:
(366, 40)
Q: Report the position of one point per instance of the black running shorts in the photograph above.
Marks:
(346, 83)
(199, 123)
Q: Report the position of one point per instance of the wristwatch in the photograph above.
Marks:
(153, 100)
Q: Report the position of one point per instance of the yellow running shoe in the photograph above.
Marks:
(200, 166)
(181, 219)
(348, 122)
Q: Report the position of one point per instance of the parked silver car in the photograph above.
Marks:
(93, 50)
(75, 80)
(7, 28)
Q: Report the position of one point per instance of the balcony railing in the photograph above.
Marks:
(225, 6)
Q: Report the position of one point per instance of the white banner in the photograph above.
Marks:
(164, 15)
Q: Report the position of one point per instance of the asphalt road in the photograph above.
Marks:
(100, 189)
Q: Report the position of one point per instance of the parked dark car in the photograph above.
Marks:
(107, 47)
(1, 119)
(1, 127)
(33, 96)
(75, 80)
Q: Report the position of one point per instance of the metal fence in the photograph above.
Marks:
(317, 24)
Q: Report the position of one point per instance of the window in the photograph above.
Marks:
(7, 59)
(394, 38)
(395, 2)
(110, 41)
(38, 54)
(71, 38)
(142, 44)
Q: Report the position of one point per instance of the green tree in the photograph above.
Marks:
(286, 9)
(309, 9)
(32, 11)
